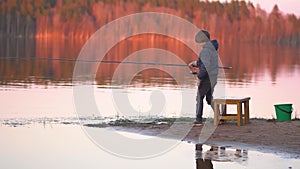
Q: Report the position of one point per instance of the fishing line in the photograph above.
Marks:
(105, 61)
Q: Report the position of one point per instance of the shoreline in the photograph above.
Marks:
(262, 135)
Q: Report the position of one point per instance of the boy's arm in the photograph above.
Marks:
(203, 63)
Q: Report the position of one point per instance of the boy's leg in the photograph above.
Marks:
(209, 97)
(209, 94)
(199, 106)
(201, 93)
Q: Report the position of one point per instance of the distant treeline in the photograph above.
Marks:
(228, 21)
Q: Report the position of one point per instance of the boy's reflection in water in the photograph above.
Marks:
(202, 163)
(219, 154)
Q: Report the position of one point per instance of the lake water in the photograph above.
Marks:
(57, 145)
(36, 80)
(36, 86)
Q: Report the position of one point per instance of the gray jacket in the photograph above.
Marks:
(208, 62)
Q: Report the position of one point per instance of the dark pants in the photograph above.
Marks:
(205, 89)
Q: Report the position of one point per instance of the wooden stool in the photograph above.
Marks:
(232, 100)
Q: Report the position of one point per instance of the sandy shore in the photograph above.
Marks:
(262, 135)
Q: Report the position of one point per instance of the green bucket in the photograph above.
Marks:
(283, 112)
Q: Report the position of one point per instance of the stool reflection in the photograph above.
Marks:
(218, 153)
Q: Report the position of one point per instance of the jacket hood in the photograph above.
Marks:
(212, 45)
(215, 44)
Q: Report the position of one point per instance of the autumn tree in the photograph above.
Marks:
(229, 21)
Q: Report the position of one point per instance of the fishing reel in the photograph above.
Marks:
(193, 72)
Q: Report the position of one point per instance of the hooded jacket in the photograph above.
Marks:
(208, 61)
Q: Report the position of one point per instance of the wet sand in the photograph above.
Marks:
(262, 135)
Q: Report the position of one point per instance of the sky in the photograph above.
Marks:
(286, 6)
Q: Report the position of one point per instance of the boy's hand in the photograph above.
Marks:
(193, 64)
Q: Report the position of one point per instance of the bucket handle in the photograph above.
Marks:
(285, 110)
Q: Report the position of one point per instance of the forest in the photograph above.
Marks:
(234, 21)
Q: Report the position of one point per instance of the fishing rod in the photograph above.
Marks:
(155, 63)
(108, 61)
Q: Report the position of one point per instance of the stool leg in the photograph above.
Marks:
(216, 114)
(246, 109)
(239, 114)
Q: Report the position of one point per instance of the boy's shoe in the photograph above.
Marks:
(198, 123)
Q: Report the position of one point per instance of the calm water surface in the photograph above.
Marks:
(66, 146)
(36, 82)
